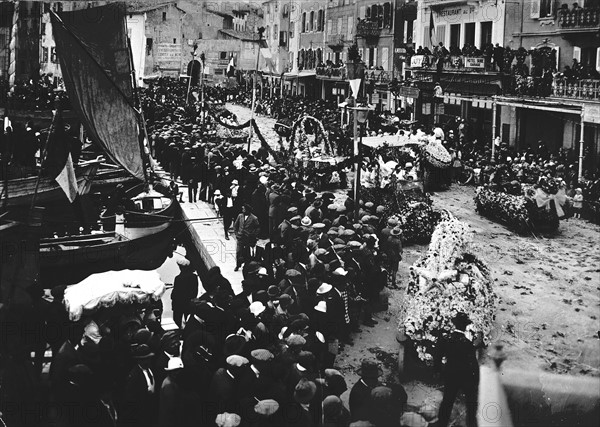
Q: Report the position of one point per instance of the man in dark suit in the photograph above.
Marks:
(223, 389)
(461, 371)
(185, 288)
(360, 395)
(140, 399)
(246, 226)
(253, 252)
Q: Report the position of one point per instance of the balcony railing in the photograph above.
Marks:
(585, 17)
(368, 29)
(378, 76)
(455, 64)
(338, 73)
(587, 89)
(336, 40)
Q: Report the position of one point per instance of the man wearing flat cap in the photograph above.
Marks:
(245, 227)
(224, 386)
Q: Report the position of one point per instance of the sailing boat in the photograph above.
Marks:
(95, 60)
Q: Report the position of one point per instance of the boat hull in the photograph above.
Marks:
(21, 191)
(69, 260)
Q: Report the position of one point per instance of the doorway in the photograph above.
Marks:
(193, 70)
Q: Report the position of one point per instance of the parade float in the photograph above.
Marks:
(447, 280)
(524, 208)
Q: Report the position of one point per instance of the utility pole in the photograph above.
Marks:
(261, 30)
(202, 61)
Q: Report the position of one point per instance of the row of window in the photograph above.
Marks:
(312, 21)
(49, 54)
(337, 27)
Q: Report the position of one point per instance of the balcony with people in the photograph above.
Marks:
(577, 19)
(541, 78)
(332, 71)
(469, 59)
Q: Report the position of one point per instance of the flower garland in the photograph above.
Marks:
(447, 280)
(437, 155)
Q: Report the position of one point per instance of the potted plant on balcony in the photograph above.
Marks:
(354, 65)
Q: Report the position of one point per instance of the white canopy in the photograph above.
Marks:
(110, 288)
(389, 140)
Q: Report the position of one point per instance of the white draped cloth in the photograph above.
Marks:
(110, 288)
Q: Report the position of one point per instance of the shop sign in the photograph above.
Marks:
(477, 62)
(591, 113)
(416, 61)
(408, 92)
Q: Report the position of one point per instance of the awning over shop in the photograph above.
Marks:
(390, 141)
(300, 75)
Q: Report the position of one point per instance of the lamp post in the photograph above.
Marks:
(260, 30)
(360, 117)
(202, 59)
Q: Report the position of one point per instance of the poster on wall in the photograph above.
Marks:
(168, 55)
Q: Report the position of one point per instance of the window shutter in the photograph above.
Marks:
(363, 11)
(361, 52)
(329, 26)
(385, 52)
(577, 53)
(350, 27)
(598, 59)
(535, 9)
(426, 39)
(374, 57)
(557, 49)
(340, 25)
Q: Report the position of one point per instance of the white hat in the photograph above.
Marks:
(262, 271)
(321, 306)
(263, 179)
(228, 420)
(256, 308)
(234, 182)
(408, 165)
(217, 192)
(340, 271)
(174, 364)
(324, 288)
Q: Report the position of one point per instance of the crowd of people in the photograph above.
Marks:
(264, 356)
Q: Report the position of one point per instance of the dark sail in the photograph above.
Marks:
(93, 51)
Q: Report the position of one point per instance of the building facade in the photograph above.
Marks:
(558, 83)
(468, 32)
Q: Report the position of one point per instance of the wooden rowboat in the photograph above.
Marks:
(20, 191)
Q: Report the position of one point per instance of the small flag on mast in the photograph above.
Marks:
(58, 162)
(431, 29)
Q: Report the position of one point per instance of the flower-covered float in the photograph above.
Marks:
(529, 208)
(447, 280)
(412, 209)
(436, 165)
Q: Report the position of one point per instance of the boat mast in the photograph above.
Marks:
(140, 111)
